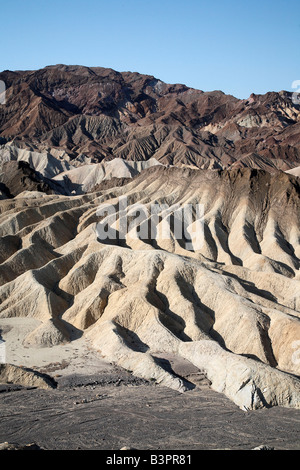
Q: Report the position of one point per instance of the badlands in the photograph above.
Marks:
(141, 339)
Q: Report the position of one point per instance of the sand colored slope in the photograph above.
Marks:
(84, 178)
(230, 306)
(294, 171)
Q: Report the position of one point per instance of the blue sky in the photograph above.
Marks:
(235, 46)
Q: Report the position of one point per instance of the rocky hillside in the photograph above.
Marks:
(106, 114)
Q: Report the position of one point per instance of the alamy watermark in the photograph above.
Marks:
(154, 222)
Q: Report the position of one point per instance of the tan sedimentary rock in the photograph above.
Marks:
(231, 307)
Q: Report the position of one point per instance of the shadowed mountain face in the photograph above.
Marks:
(106, 114)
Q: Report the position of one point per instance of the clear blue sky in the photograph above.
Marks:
(235, 46)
